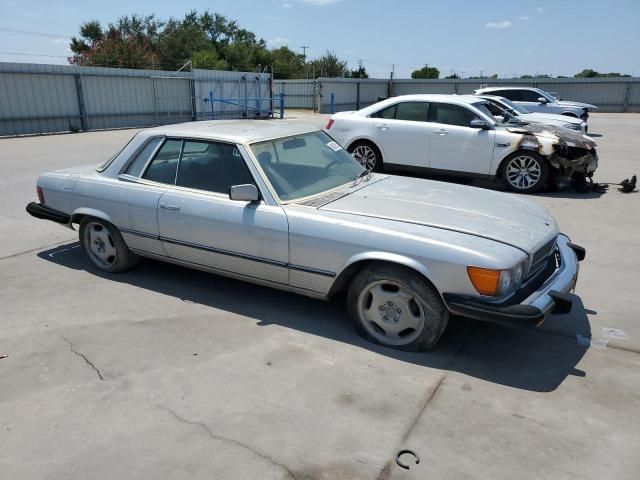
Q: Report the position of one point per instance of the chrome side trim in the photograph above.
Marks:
(197, 246)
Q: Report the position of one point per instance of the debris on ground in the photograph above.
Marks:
(628, 185)
(3, 355)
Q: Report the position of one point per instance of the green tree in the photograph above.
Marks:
(286, 63)
(360, 72)
(329, 65)
(453, 76)
(426, 72)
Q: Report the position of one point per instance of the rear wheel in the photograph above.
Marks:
(103, 246)
(396, 307)
(524, 172)
(367, 154)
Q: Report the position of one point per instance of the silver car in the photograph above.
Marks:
(283, 205)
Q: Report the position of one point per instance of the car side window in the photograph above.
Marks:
(389, 113)
(529, 96)
(451, 115)
(412, 111)
(164, 165)
(513, 95)
(137, 164)
(212, 166)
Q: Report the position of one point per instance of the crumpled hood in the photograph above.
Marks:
(541, 117)
(566, 103)
(572, 138)
(498, 216)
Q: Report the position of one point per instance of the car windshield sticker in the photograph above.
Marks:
(334, 146)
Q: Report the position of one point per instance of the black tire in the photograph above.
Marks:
(536, 166)
(103, 246)
(376, 163)
(424, 309)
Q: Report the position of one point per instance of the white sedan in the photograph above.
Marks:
(457, 134)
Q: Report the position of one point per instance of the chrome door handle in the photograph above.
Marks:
(168, 206)
(442, 131)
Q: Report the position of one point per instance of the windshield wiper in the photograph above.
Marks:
(365, 173)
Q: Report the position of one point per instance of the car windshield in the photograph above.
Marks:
(305, 165)
(513, 106)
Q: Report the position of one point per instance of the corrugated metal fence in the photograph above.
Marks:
(53, 98)
(609, 94)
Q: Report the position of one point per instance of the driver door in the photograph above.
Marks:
(199, 224)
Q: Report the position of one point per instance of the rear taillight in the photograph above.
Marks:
(40, 194)
(329, 124)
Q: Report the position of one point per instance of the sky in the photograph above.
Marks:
(505, 37)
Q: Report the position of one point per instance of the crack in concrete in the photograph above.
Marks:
(213, 436)
(386, 470)
(84, 357)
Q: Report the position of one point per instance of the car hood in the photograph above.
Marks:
(497, 216)
(565, 103)
(554, 133)
(537, 117)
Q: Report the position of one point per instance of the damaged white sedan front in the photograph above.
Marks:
(457, 135)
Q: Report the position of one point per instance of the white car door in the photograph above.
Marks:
(402, 132)
(455, 145)
(199, 224)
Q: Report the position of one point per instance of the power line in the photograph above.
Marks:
(29, 32)
(25, 54)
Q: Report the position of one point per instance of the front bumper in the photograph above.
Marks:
(43, 212)
(551, 296)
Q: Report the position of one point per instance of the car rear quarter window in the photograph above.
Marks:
(389, 113)
(412, 111)
(513, 95)
(450, 114)
(164, 165)
(212, 166)
(140, 160)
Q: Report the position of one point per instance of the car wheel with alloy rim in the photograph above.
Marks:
(103, 246)
(525, 172)
(396, 307)
(367, 154)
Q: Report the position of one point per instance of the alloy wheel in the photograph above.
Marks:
(523, 172)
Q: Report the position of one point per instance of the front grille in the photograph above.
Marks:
(541, 255)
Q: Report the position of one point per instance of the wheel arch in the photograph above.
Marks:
(79, 213)
(521, 149)
(358, 262)
(568, 113)
(366, 140)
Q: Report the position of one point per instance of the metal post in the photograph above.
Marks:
(271, 92)
(357, 96)
(259, 98)
(246, 97)
(194, 115)
(626, 97)
(281, 105)
(211, 99)
(81, 109)
(332, 109)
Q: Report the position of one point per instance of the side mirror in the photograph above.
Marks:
(481, 124)
(542, 100)
(244, 193)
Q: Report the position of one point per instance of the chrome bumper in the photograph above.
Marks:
(551, 296)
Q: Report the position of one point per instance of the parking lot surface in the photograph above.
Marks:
(166, 373)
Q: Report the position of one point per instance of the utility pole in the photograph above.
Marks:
(304, 53)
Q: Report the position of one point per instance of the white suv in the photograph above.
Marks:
(537, 100)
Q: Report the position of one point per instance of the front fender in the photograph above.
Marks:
(351, 267)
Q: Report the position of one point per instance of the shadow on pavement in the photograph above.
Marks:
(530, 359)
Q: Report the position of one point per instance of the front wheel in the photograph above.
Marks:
(525, 172)
(103, 246)
(368, 155)
(396, 307)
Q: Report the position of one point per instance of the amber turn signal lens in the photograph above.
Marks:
(485, 281)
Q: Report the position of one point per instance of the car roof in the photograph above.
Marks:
(234, 131)
(425, 97)
(491, 89)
